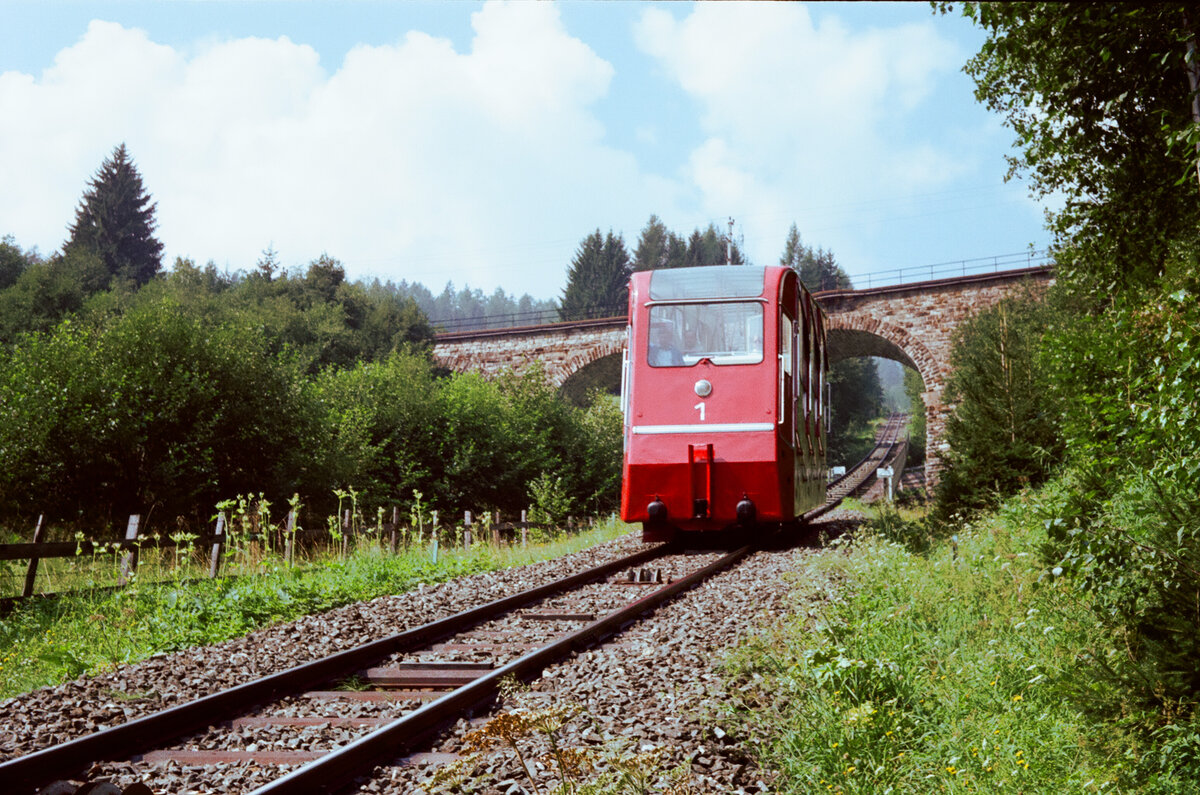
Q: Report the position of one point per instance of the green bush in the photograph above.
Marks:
(165, 399)
(466, 441)
(155, 411)
(1129, 528)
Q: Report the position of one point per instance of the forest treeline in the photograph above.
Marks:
(126, 389)
(1096, 388)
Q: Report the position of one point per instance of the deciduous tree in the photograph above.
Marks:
(1100, 98)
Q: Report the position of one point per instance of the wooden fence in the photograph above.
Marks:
(285, 536)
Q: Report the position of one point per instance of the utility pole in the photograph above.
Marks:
(729, 244)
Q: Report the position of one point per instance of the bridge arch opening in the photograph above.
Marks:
(852, 335)
(602, 373)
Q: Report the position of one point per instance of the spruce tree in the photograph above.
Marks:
(817, 268)
(712, 247)
(676, 251)
(597, 278)
(651, 252)
(115, 220)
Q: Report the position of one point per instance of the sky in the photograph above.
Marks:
(479, 143)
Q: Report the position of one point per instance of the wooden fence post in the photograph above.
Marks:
(130, 558)
(524, 531)
(290, 536)
(434, 532)
(496, 530)
(31, 574)
(214, 563)
(395, 527)
(346, 526)
(466, 529)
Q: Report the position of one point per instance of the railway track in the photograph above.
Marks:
(327, 722)
(415, 682)
(860, 476)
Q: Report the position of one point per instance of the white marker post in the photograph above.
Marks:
(885, 474)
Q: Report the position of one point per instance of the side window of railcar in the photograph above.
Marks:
(785, 344)
(723, 333)
(805, 354)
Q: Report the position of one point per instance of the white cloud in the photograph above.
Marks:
(801, 116)
(410, 160)
(488, 162)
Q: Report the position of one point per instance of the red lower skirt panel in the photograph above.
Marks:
(679, 485)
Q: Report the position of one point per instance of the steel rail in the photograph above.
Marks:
(29, 772)
(342, 765)
(889, 431)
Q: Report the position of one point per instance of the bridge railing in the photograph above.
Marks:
(948, 270)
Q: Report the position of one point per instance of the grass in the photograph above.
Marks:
(942, 670)
(46, 642)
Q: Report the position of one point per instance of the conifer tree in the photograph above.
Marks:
(115, 220)
(597, 278)
(652, 247)
(817, 268)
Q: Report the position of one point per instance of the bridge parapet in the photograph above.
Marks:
(561, 348)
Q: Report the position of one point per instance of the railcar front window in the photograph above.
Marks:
(725, 333)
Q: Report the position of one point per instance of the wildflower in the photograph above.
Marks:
(1018, 697)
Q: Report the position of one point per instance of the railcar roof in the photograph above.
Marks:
(710, 281)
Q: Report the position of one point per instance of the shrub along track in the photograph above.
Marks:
(255, 751)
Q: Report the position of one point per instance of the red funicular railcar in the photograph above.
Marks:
(721, 390)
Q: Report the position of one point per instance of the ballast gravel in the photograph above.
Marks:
(653, 689)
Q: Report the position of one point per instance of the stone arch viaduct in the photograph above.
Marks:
(910, 323)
